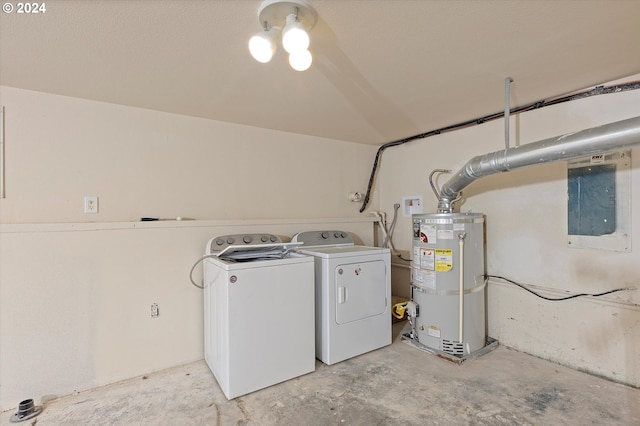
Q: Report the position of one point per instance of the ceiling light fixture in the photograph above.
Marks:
(263, 45)
(294, 37)
(300, 61)
(295, 18)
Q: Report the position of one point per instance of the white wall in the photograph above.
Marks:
(526, 230)
(76, 289)
(147, 163)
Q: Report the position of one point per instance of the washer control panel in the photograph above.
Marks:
(323, 238)
(222, 242)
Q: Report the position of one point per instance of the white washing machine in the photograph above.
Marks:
(353, 294)
(258, 312)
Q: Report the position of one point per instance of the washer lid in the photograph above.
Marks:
(257, 251)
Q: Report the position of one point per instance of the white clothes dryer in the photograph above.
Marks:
(258, 312)
(353, 294)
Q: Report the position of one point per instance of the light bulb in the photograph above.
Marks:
(294, 36)
(262, 46)
(300, 61)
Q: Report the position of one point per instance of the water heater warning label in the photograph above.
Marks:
(427, 259)
(433, 331)
(428, 234)
(445, 234)
(444, 260)
(424, 279)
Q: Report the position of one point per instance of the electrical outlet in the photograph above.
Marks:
(355, 197)
(155, 311)
(91, 204)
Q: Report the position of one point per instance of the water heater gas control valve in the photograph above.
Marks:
(413, 309)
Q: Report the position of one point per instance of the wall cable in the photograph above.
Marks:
(598, 90)
(558, 299)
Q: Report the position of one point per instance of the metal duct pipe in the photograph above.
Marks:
(609, 137)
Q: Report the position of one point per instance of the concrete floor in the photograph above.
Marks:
(396, 385)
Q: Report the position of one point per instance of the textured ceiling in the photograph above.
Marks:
(383, 69)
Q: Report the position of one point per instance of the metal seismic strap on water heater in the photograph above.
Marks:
(608, 137)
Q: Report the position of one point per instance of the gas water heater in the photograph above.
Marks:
(448, 282)
(447, 310)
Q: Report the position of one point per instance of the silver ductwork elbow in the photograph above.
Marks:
(609, 137)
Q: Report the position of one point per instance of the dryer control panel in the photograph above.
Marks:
(323, 238)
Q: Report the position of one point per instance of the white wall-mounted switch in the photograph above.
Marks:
(91, 204)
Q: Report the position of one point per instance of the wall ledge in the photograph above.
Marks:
(187, 223)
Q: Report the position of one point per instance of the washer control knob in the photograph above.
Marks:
(247, 239)
(324, 235)
(230, 240)
(273, 238)
(219, 241)
(264, 238)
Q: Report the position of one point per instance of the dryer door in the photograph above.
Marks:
(360, 290)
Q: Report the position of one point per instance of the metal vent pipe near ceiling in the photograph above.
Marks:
(609, 137)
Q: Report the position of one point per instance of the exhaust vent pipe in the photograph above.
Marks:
(609, 137)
